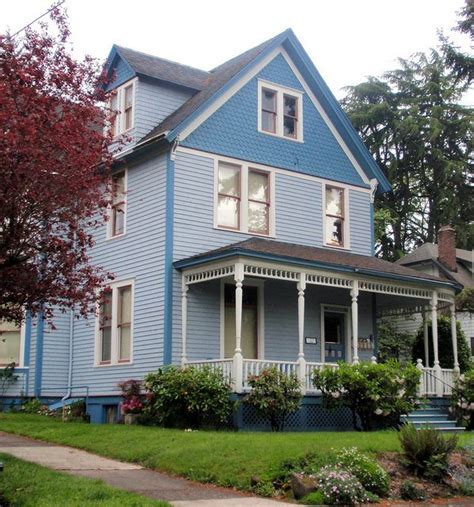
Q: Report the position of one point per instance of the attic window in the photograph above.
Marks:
(122, 101)
(280, 111)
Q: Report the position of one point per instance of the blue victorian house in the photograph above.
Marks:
(241, 235)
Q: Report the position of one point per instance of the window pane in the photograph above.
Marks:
(258, 217)
(229, 179)
(268, 122)
(106, 345)
(118, 187)
(269, 100)
(10, 337)
(128, 96)
(258, 186)
(290, 105)
(228, 212)
(289, 126)
(125, 305)
(128, 119)
(334, 201)
(334, 231)
(118, 219)
(124, 343)
(106, 308)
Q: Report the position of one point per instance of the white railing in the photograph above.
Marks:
(435, 381)
(224, 365)
(428, 382)
(310, 367)
(256, 366)
(447, 378)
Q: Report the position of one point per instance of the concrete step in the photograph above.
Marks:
(438, 425)
(429, 417)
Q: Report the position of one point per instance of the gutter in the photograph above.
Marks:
(71, 340)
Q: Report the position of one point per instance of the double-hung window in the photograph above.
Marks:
(335, 219)
(244, 199)
(118, 208)
(121, 103)
(115, 324)
(10, 343)
(280, 111)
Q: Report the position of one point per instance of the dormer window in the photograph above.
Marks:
(280, 111)
(122, 101)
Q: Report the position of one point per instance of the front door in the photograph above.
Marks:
(334, 336)
(249, 321)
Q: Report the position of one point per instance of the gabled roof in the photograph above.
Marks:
(314, 257)
(159, 68)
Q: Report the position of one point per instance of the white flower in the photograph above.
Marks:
(378, 411)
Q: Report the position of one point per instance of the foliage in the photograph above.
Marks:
(426, 450)
(53, 195)
(32, 406)
(7, 378)
(376, 393)
(188, 397)
(409, 491)
(465, 300)
(393, 344)
(371, 475)
(132, 397)
(462, 399)
(28, 485)
(340, 487)
(445, 345)
(314, 498)
(74, 412)
(274, 396)
(412, 122)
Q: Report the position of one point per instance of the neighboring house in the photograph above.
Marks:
(241, 236)
(449, 263)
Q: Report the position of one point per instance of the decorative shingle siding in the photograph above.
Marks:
(232, 130)
(122, 74)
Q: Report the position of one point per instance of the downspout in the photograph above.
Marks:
(71, 339)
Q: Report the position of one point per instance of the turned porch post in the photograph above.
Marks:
(238, 363)
(184, 319)
(454, 337)
(301, 286)
(434, 330)
(355, 322)
(426, 340)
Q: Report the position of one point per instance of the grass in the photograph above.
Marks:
(25, 484)
(224, 458)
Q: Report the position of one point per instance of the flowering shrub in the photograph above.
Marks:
(376, 393)
(371, 475)
(340, 487)
(132, 397)
(187, 397)
(274, 396)
(462, 399)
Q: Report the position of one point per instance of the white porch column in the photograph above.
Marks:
(454, 337)
(301, 286)
(184, 319)
(434, 330)
(355, 322)
(237, 374)
(426, 340)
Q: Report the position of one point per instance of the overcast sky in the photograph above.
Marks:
(346, 39)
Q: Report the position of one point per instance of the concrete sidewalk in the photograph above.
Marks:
(160, 486)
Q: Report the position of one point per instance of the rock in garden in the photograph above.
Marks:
(302, 485)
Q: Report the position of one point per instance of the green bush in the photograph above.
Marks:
(377, 393)
(445, 345)
(340, 487)
(187, 397)
(371, 475)
(274, 396)
(314, 498)
(426, 451)
(393, 344)
(32, 406)
(409, 491)
(462, 399)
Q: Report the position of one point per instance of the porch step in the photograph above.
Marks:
(432, 416)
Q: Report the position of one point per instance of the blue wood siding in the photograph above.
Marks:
(360, 222)
(232, 131)
(123, 73)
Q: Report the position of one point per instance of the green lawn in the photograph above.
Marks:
(224, 458)
(25, 484)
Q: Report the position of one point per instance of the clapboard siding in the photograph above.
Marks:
(360, 222)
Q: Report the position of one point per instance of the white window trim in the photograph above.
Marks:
(280, 91)
(347, 229)
(243, 218)
(120, 118)
(326, 307)
(21, 359)
(109, 230)
(114, 359)
(260, 284)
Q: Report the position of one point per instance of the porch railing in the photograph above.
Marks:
(256, 366)
(224, 365)
(310, 367)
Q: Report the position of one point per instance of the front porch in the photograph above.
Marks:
(244, 310)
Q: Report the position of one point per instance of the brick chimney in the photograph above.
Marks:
(447, 247)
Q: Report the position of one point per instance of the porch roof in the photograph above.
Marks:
(314, 257)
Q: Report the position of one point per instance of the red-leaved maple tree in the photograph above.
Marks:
(54, 172)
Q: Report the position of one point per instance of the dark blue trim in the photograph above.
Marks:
(39, 354)
(27, 354)
(110, 64)
(187, 263)
(168, 307)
